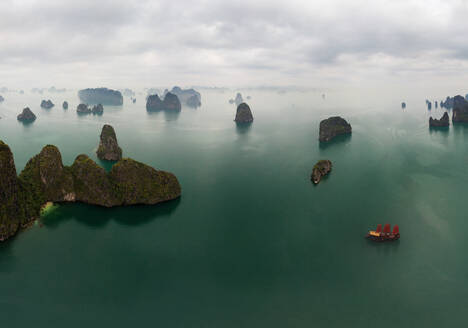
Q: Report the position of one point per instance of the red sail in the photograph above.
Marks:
(379, 228)
(396, 230)
(386, 228)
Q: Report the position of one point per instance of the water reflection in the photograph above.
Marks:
(338, 140)
(442, 130)
(171, 115)
(243, 128)
(97, 217)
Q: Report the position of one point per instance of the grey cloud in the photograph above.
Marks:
(221, 41)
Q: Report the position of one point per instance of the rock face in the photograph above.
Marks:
(243, 114)
(83, 109)
(460, 110)
(109, 149)
(98, 109)
(322, 168)
(101, 96)
(65, 105)
(26, 116)
(188, 97)
(92, 184)
(47, 104)
(138, 183)
(170, 103)
(11, 211)
(45, 179)
(443, 122)
(154, 103)
(332, 127)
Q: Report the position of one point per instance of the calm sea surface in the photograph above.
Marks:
(251, 242)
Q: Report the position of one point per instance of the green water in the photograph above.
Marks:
(251, 242)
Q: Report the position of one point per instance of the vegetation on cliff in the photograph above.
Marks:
(45, 179)
(109, 149)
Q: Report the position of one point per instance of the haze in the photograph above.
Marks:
(240, 43)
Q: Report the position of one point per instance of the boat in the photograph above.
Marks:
(384, 235)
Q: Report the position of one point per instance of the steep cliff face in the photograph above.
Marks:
(17, 206)
(137, 183)
(243, 114)
(332, 127)
(46, 176)
(10, 207)
(109, 149)
(92, 184)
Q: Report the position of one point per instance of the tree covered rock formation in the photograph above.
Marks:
(154, 103)
(46, 179)
(109, 149)
(243, 114)
(26, 116)
(443, 122)
(47, 104)
(101, 96)
(322, 168)
(332, 127)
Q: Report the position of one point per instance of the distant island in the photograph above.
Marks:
(102, 96)
(443, 122)
(2, 99)
(27, 116)
(170, 103)
(45, 179)
(243, 114)
(188, 97)
(332, 127)
(47, 104)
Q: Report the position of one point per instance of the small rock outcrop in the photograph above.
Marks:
(243, 114)
(47, 104)
(65, 105)
(109, 149)
(97, 109)
(26, 116)
(443, 122)
(403, 105)
(171, 102)
(101, 96)
(322, 168)
(460, 110)
(83, 109)
(332, 127)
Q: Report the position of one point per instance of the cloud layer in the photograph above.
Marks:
(243, 43)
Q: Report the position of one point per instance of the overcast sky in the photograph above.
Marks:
(119, 43)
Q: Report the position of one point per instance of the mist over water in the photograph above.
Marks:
(252, 242)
